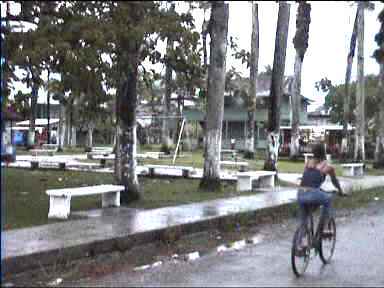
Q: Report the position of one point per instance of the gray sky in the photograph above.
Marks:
(326, 56)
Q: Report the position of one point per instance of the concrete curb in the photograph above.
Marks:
(60, 256)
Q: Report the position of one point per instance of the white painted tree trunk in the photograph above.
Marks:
(90, 136)
(346, 106)
(73, 136)
(277, 86)
(215, 105)
(61, 128)
(295, 133)
(360, 89)
(253, 67)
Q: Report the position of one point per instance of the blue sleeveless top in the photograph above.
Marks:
(313, 178)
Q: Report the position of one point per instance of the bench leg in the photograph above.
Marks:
(348, 171)
(359, 171)
(59, 207)
(34, 164)
(151, 172)
(185, 173)
(244, 184)
(267, 181)
(110, 199)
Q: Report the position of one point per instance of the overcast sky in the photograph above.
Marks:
(329, 36)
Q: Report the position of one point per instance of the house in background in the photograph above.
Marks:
(236, 115)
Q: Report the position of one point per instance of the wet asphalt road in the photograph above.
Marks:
(358, 260)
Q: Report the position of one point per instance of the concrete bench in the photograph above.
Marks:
(353, 169)
(60, 199)
(103, 158)
(185, 170)
(245, 179)
(310, 155)
(241, 164)
(49, 152)
(228, 153)
(47, 146)
(99, 151)
(307, 156)
(83, 165)
(60, 164)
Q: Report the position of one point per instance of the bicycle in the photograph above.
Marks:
(307, 243)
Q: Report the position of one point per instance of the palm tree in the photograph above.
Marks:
(359, 153)
(165, 133)
(379, 55)
(253, 67)
(215, 96)
(301, 44)
(273, 133)
(346, 113)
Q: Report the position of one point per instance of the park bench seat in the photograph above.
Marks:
(61, 164)
(353, 169)
(245, 179)
(310, 155)
(47, 146)
(60, 199)
(103, 158)
(185, 170)
(241, 164)
(99, 151)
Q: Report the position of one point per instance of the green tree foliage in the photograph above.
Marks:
(334, 100)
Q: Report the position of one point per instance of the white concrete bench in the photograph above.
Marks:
(185, 170)
(103, 158)
(49, 152)
(228, 153)
(48, 164)
(241, 164)
(245, 179)
(307, 156)
(99, 151)
(60, 199)
(83, 165)
(47, 146)
(353, 169)
(310, 155)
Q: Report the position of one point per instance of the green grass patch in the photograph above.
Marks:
(25, 202)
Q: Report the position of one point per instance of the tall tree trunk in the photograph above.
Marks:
(215, 97)
(48, 109)
(167, 141)
(32, 115)
(127, 137)
(295, 132)
(360, 89)
(90, 135)
(379, 151)
(253, 67)
(347, 99)
(273, 136)
(301, 44)
(61, 128)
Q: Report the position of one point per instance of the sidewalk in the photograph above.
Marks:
(106, 230)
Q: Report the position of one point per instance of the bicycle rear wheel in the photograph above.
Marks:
(300, 250)
(327, 241)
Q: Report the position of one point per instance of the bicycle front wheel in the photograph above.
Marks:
(327, 241)
(300, 250)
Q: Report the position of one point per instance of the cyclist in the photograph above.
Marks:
(315, 172)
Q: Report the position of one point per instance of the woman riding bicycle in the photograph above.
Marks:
(310, 193)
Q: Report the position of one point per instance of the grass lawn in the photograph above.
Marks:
(26, 203)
